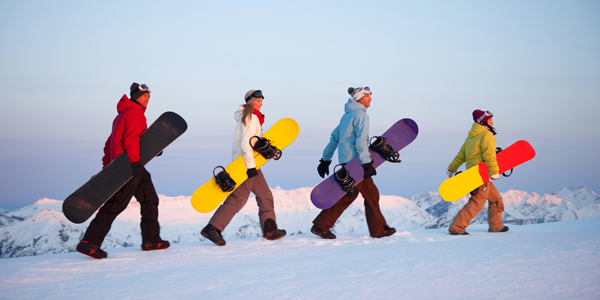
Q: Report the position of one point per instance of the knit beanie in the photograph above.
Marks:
(136, 91)
(359, 92)
(481, 117)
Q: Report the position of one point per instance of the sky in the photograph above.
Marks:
(65, 65)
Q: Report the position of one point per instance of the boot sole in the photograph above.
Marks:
(208, 237)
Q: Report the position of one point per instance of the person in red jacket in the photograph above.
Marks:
(127, 128)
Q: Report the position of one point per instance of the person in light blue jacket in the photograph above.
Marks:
(351, 139)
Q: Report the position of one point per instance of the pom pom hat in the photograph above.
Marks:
(137, 90)
(359, 92)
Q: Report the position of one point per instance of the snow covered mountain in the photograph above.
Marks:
(41, 228)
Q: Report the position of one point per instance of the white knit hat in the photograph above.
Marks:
(359, 92)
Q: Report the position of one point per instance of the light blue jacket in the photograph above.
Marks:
(351, 136)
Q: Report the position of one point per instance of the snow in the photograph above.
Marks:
(559, 260)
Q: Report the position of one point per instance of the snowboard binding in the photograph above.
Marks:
(384, 149)
(264, 147)
(498, 150)
(224, 180)
(345, 181)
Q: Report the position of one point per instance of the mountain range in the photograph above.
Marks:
(41, 228)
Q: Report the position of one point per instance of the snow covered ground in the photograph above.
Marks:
(559, 260)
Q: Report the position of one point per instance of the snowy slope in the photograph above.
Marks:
(41, 228)
(559, 260)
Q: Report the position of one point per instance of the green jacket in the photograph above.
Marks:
(480, 146)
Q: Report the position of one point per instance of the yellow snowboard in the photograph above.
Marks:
(207, 197)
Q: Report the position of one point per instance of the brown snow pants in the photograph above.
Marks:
(236, 201)
(375, 220)
(486, 191)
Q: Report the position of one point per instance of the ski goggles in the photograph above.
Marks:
(144, 88)
(359, 93)
(256, 94)
(486, 114)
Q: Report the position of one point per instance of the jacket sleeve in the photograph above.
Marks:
(248, 131)
(135, 124)
(361, 129)
(459, 159)
(333, 144)
(489, 153)
(106, 157)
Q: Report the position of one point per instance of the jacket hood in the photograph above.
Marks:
(238, 114)
(477, 129)
(125, 103)
(352, 105)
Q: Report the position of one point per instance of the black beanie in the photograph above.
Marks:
(135, 91)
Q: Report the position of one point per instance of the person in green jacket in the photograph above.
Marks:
(480, 146)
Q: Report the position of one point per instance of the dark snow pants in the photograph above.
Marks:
(142, 188)
(236, 201)
(375, 220)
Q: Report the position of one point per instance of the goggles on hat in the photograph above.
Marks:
(256, 94)
(144, 88)
(486, 114)
(367, 89)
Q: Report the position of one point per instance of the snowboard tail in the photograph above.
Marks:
(461, 184)
(208, 196)
(81, 204)
(329, 191)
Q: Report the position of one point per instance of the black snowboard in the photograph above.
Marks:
(82, 203)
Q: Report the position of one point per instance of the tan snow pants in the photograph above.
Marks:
(486, 191)
(236, 201)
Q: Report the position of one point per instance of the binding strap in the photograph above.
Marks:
(384, 149)
(224, 180)
(345, 181)
(265, 148)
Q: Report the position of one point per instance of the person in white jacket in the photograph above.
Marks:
(250, 121)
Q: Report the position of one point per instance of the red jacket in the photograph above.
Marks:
(126, 131)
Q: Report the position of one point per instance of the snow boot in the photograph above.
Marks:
(459, 233)
(213, 234)
(504, 229)
(271, 232)
(389, 231)
(91, 250)
(155, 246)
(326, 234)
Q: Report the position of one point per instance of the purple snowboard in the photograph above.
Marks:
(328, 192)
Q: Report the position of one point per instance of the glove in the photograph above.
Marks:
(323, 167)
(251, 173)
(137, 168)
(369, 170)
(495, 177)
(450, 172)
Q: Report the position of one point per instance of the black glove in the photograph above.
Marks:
(251, 172)
(369, 170)
(323, 167)
(137, 168)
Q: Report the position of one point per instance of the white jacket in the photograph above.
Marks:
(241, 139)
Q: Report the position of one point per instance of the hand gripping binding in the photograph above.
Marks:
(384, 149)
(225, 182)
(264, 147)
(345, 180)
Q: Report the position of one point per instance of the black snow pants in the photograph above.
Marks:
(142, 188)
